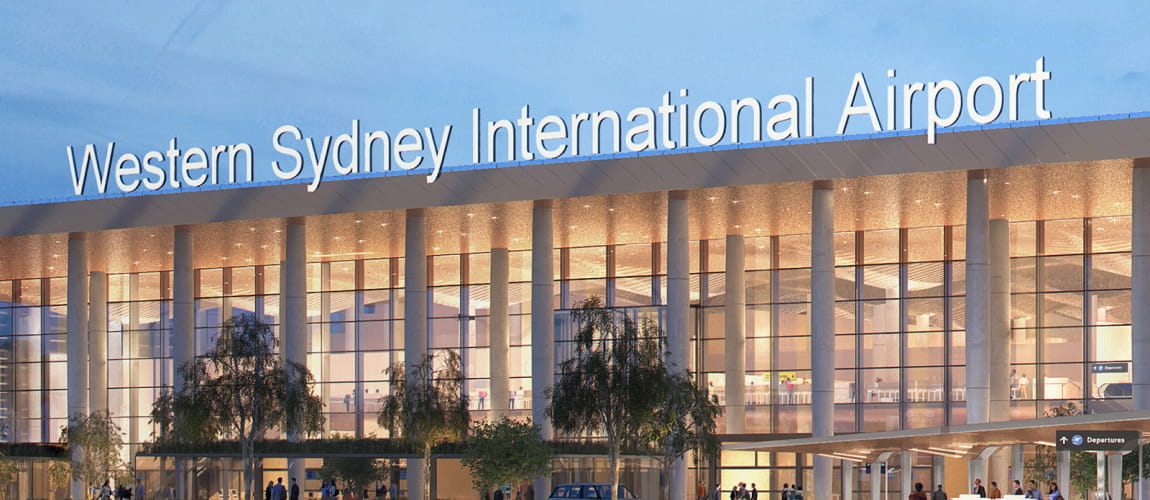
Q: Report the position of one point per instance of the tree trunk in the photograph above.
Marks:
(613, 458)
(427, 472)
(249, 473)
(665, 486)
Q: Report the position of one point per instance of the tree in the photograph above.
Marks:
(9, 467)
(241, 389)
(59, 473)
(99, 440)
(683, 420)
(606, 386)
(505, 452)
(9, 471)
(355, 473)
(426, 407)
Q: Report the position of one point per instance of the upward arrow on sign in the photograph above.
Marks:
(1063, 440)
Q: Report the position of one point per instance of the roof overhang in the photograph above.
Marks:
(955, 441)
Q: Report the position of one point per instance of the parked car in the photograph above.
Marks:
(588, 490)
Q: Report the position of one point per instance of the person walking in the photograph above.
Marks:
(293, 492)
(139, 491)
(394, 491)
(105, 491)
(717, 494)
(978, 488)
(1054, 492)
(797, 492)
(786, 493)
(994, 491)
(701, 491)
(268, 490)
(380, 490)
(918, 494)
(735, 491)
(938, 494)
(1017, 487)
(325, 491)
(754, 492)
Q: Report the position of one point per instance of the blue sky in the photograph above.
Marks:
(214, 72)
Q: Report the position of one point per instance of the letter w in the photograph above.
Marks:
(78, 177)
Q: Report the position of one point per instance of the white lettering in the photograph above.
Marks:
(295, 171)
(867, 108)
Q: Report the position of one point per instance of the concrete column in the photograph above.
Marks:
(735, 326)
(498, 333)
(293, 323)
(822, 328)
(98, 341)
(678, 325)
(977, 298)
(976, 469)
(937, 472)
(77, 338)
(1114, 474)
(183, 329)
(906, 473)
(1140, 293)
(1063, 472)
(1017, 465)
(542, 323)
(1140, 285)
(415, 320)
(876, 479)
(848, 483)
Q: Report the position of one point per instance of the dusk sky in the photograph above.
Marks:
(219, 73)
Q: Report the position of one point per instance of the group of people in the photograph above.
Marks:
(277, 491)
(121, 491)
(741, 492)
(382, 490)
(1031, 491)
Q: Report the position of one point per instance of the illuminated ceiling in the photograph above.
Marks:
(1054, 191)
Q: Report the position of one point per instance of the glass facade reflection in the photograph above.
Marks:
(899, 325)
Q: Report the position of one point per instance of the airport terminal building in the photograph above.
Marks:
(819, 288)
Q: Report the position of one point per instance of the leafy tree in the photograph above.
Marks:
(503, 452)
(683, 420)
(9, 471)
(356, 473)
(99, 440)
(240, 389)
(426, 407)
(9, 467)
(606, 386)
(59, 472)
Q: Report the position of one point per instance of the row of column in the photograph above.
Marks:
(987, 312)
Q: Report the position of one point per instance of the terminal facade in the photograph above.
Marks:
(818, 288)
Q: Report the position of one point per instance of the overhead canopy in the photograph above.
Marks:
(956, 441)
